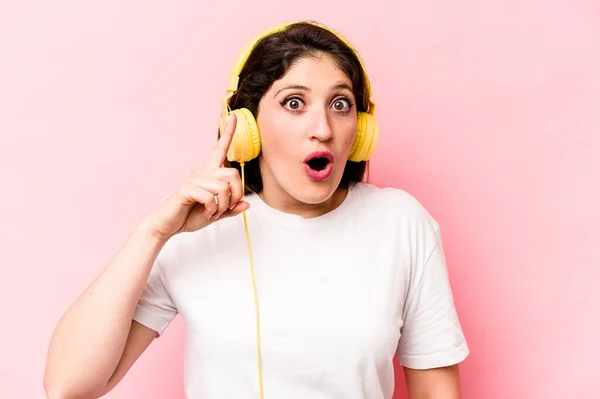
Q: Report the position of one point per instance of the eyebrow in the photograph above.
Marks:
(304, 88)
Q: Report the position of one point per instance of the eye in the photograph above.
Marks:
(342, 104)
(292, 103)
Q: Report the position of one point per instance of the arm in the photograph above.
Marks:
(96, 342)
(432, 344)
(436, 383)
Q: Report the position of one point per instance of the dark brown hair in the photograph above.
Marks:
(270, 59)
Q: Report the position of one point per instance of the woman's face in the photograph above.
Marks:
(310, 113)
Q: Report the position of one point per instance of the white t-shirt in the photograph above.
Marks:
(339, 296)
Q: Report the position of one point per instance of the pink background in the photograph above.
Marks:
(489, 113)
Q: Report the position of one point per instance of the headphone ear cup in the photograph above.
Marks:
(367, 132)
(245, 144)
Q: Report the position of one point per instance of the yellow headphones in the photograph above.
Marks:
(245, 144)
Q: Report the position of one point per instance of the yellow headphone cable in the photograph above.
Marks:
(258, 352)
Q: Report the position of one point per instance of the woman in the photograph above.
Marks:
(344, 275)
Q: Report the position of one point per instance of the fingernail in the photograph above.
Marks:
(233, 206)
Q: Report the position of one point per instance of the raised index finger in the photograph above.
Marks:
(220, 151)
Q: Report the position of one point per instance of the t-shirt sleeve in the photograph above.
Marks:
(155, 308)
(431, 335)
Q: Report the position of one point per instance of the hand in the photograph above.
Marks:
(211, 193)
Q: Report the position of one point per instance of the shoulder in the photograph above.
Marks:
(393, 204)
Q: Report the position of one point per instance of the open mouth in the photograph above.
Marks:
(319, 165)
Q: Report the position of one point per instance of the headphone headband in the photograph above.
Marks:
(247, 50)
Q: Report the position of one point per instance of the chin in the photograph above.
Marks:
(315, 192)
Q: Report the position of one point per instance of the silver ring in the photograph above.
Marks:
(216, 200)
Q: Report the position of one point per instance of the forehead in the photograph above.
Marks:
(318, 71)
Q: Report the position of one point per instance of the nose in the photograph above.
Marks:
(323, 131)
